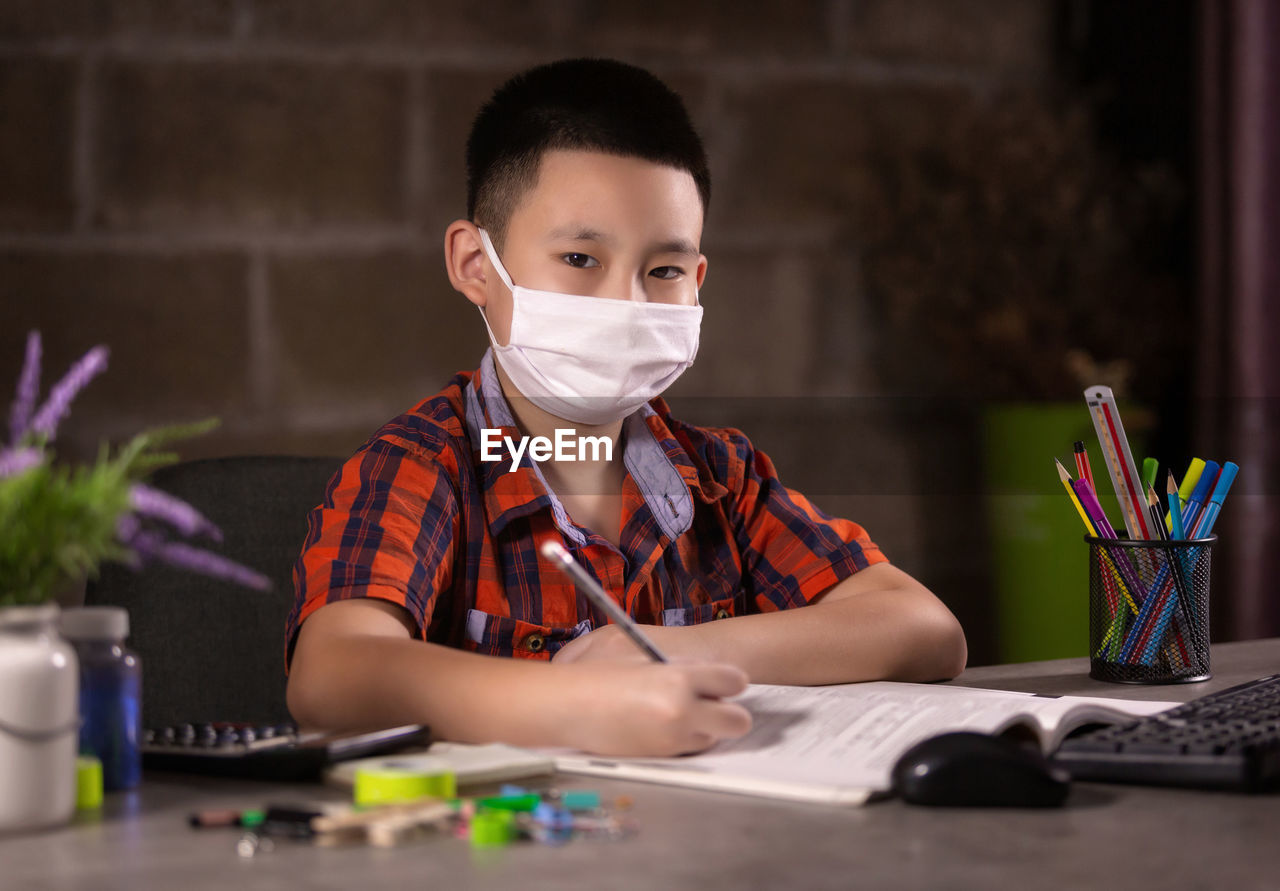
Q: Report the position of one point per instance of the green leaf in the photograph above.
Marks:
(58, 523)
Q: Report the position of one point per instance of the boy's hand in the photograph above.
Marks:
(656, 709)
(659, 709)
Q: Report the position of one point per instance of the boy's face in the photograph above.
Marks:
(601, 226)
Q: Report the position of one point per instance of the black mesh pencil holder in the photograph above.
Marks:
(1149, 610)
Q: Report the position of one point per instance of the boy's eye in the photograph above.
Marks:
(667, 272)
(580, 261)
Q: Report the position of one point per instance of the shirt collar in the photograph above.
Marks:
(661, 468)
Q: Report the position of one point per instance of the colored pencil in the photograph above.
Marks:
(1180, 583)
(1075, 501)
(1083, 469)
(1133, 590)
(1113, 584)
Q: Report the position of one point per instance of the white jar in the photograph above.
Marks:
(39, 719)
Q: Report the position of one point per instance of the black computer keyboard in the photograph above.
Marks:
(1226, 740)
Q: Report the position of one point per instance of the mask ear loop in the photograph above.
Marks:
(497, 263)
(506, 280)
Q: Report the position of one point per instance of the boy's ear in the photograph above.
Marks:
(701, 274)
(464, 260)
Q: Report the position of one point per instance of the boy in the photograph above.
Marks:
(587, 188)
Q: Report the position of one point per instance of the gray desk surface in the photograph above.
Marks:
(1107, 836)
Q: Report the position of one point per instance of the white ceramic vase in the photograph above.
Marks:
(39, 719)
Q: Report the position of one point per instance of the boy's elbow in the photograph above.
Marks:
(945, 650)
(307, 693)
(300, 698)
(935, 648)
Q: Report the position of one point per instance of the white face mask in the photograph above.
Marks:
(592, 360)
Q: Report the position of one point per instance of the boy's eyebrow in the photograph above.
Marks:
(586, 233)
(676, 246)
(580, 233)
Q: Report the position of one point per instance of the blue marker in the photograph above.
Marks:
(1211, 510)
(1201, 530)
(1199, 495)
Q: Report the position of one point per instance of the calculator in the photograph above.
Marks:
(267, 751)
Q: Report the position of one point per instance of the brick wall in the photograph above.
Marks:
(246, 199)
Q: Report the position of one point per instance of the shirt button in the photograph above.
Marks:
(534, 643)
(722, 613)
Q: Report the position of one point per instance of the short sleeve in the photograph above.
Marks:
(386, 529)
(791, 550)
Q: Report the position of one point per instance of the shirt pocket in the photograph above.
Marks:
(504, 636)
(696, 615)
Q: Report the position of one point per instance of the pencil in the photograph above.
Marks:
(1075, 502)
(1179, 583)
(1112, 584)
(555, 552)
(1083, 468)
(1129, 582)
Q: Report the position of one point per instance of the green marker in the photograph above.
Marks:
(1150, 467)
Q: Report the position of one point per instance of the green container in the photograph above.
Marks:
(1040, 562)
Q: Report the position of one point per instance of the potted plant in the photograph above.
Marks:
(59, 523)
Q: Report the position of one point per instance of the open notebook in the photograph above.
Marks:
(838, 744)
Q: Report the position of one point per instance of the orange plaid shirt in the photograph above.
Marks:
(416, 518)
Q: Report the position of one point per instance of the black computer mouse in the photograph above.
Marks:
(977, 770)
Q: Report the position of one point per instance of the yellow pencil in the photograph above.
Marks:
(1117, 580)
(1071, 493)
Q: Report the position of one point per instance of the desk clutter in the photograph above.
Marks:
(386, 815)
(272, 752)
(1149, 591)
(411, 796)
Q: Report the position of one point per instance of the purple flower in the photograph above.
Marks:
(177, 513)
(14, 461)
(58, 404)
(148, 546)
(184, 556)
(128, 529)
(24, 401)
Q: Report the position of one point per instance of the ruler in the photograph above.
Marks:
(1119, 460)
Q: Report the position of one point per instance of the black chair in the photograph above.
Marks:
(212, 650)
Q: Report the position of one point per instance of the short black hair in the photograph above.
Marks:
(579, 104)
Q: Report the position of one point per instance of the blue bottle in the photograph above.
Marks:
(110, 692)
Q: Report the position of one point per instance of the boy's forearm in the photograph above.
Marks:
(375, 681)
(901, 634)
(349, 680)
